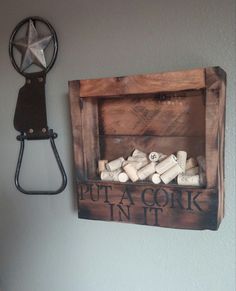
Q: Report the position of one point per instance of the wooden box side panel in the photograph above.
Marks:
(76, 120)
(215, 127)
(189, 208)
(90, 133)
(84, 116)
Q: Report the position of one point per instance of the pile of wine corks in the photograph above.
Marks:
(156, 168)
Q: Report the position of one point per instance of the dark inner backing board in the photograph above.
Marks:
(164, 123)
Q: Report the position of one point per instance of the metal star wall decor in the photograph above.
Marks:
(32, 47)
(30, 114)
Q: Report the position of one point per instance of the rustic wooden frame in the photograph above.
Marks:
(189, 207)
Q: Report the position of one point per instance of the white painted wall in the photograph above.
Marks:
(43, 245)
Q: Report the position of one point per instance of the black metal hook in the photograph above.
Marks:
(52, 136)
(30, 117)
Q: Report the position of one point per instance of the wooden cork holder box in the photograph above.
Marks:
(163, 112)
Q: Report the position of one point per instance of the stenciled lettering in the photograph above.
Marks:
(150, 210)
(84, 189)
(176, 197)
(161, 197)
(127, 196)
(106, 188)
(123, 212)
(95, 192)
(111, 211)
(123, 204)
(147, 193)
(192, 200)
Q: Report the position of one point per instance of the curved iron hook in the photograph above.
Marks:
(52, 136)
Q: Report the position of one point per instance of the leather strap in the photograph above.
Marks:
(30, 115)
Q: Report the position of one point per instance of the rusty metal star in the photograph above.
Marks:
(32, 48)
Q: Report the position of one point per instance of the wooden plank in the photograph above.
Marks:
(143, 84)
(221, 174)
(174, 207)
(214, 115)
(90, 133)
(112, 147)
(84, 116)
(77, 128)
(180, 115)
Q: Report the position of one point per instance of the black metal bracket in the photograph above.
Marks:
(22, 137)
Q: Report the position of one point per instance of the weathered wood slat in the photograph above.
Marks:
(173, 207)
(143, 84)
(90, 132)
(213, 133)
(114, 146)
(85, 133)
(222, 93)
(77, 129)
(221, 150)
(174, 116)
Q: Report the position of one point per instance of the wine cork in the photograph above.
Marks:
(123, 177)
(201, 162)
(155, 178)
(192, 171)
(146, 171)
(161, 157)
(137, 159)
(138, 153)
(153, 156)
(191, 163)
(137, 164)
(185, 180)
(102, 165)
(110, 176)
(124, 163)
(166, 164)
(131, 172)
(131, 159)
(181, 159)
(171, 174)
(115, 164)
